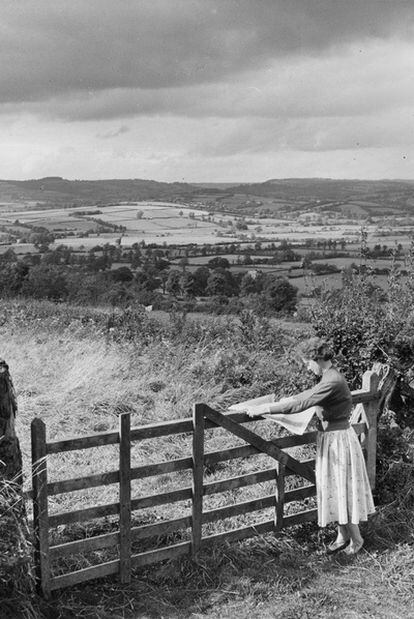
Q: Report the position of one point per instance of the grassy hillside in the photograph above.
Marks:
(344, 197)
(79, 368)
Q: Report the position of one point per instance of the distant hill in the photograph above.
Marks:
(59, 191)
(346, 197)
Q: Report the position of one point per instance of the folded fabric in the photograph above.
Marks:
(295, 423)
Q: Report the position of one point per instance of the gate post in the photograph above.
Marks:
(370, 383)
(40, 507)
(198, 476)
(125, 497)
(280, 495)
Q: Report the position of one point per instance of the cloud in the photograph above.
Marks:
(113, 133)
(350, 84)
(259, 136)
(56, 48)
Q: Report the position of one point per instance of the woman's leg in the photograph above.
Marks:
(343, 535)
(357, 540)
(341, 541)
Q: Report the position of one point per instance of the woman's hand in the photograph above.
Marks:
(258, 410)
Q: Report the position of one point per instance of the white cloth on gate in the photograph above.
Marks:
(295, 423)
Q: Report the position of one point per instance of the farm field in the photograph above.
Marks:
(167, 223)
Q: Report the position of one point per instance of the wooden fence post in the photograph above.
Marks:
(370, 383)
(125, 497)
(280, 495)
(40, 507)
(198, 476)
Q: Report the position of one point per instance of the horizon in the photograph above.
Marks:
(207, 91)
(213, 182)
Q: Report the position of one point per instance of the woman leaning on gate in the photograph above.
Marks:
(342, 487)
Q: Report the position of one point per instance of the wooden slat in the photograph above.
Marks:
(267, 447)
(161, 499)
(305, 516)
(80, 515)
(280, 494)
(88, 544)
(40, 507)
(89, 573)
(304, 492)
(228, 511)
(125, 497)
(198, 474)
(81, 483)
(214, 457)
(147, 531)
(231, 483)
(259, 528)
(161, 468)
(161, 554)
(82, 442)
(370, 382)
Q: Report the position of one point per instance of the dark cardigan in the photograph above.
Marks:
(331, 393)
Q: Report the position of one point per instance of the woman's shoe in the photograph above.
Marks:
(353, 549)
(337, 546)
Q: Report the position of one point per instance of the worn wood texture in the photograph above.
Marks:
(81, 483)
(88, 573)
(88, 544)
(198, 476)
(161, 554)
(280, 494)
(125, 497)
(40, 507)
(147, 531)
(267, 447)
(259, 528)
(231, 483)
(81, 515)
(370, 381)
(228, 511)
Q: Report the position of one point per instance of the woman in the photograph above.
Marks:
(342, 486)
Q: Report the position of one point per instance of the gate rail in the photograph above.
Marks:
(204, 417)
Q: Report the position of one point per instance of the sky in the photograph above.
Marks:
(207, 90)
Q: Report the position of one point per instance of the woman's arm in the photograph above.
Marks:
(299, 402)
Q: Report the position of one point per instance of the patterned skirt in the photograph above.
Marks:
(342, 487)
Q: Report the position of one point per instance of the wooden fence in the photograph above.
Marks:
(121, 540)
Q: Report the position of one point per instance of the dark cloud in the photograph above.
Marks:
(56, 48)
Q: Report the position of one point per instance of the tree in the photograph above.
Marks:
(200, 277)
(183, 262)
(46, 282)
(123, 275)
(249, 285)
(221, 283)
(278, 294)
(140, 214)
(173, 285)
(12, 276)
(146, 281)
(218, 263)
(187, 284)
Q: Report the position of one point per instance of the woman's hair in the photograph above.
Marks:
(315, 348)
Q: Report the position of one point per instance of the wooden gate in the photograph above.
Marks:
(190, 523)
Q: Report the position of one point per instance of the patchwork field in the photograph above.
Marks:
(168, 223)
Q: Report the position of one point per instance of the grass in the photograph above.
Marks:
(77, 373)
